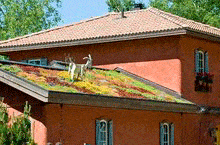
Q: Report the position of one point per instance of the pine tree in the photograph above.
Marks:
(19, 132)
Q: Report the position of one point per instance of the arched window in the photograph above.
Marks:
(201, 61)
(104, 132)
(166, 133)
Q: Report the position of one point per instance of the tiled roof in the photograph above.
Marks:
(137, 22)
(95, 82)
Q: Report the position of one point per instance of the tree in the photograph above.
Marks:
(19, 132)
(126, 5)
(20, 17)
(204, 11)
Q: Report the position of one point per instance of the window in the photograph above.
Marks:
(104, 132)
(203, 78)
(201, 61)
(40, 61)
(166, 133)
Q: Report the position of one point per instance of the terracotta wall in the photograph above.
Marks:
(186, 55)
(155, 59)
(76, 125)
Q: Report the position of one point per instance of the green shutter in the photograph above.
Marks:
(206, 59)
(97, 132)
(110, 133)
(161, 134)
(172, 134)
(196, 61)
(44, 61)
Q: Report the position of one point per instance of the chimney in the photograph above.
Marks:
(123, 14)
(139, 6)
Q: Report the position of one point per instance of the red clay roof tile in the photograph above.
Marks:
(112, 25)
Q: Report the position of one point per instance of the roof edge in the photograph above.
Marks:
(24, 86)
(120, 102)
(95, 40)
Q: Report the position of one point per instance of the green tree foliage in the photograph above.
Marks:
(204, 11)
(19, 132)
(119, 5)
(20, 17)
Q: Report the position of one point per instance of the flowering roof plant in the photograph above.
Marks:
(95, 81)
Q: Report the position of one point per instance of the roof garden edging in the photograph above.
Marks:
(119, 102)
(148, 82)
(23, 85)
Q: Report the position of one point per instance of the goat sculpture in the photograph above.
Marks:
(79, 69)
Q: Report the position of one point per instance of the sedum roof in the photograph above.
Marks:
(111, 25)
(95, 81)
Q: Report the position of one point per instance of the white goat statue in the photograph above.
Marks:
(79, 69)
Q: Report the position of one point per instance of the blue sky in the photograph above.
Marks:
(76, 10)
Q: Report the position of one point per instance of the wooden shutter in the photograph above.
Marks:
(172, 134)
(196, 61)
(44, 61)
(110, 132)
(206, 59)
(97, 132)
(161, 134)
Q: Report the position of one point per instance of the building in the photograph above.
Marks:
(171, 53)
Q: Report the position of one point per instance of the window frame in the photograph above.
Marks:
(108, 132)
(201, 61)
(166, 138)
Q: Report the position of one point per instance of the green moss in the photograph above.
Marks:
(11, 68)
(133, 91)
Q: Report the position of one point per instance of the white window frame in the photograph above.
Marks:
(104, 136)
(201, 61)
(167, 135)
(103, 131)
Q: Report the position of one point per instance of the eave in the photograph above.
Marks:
(115, 38)
(123, 37)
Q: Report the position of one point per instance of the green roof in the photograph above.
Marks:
(95, 81)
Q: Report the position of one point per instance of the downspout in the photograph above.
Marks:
(61, 125)
(182, 127)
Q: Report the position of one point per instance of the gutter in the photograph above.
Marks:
(119, 102)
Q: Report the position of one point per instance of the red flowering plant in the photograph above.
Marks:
(205, 77)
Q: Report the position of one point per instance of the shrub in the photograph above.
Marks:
(19, 132)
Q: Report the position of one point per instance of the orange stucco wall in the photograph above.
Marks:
(76, 125)
(155, 59)
(73, 125)
(186, 54)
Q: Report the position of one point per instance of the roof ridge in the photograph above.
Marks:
(175, 18)
(52, 29)
(162, 13)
